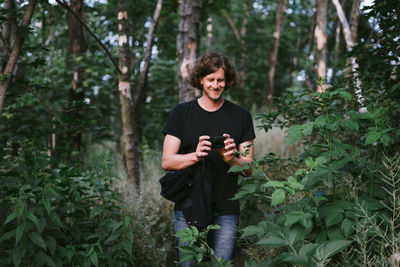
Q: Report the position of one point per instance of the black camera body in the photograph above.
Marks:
(217, 142)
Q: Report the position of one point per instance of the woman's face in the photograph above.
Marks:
(214, 84)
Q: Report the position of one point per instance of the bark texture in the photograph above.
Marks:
(76, 47)
(8, 32)
(188, 47)
(124, 87)
(280, 11)
(321, 40)
(349, 46)
(141, 90)
(13, 57)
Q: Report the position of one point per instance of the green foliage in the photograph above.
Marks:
(197, 248)
(66, 215)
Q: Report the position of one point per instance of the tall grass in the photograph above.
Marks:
(152, 216)
(274, 141)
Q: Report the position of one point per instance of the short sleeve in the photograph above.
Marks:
(174, 123)
(247, 128)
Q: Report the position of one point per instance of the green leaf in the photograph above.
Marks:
(112, 237)
(333, 218)
(308, 249)
(129, 234)
(95, 212)
(296, 259)
(127, 245)
(43, 258)
(7, 236)
(372, 137)
(115, 226)
(273, 242)
(10, 217)
(345, 95)
(19, 232)
(350, 124)
(199, 257)
(127, 220)
(18, 255)
(33, 219)
(348, 226)
(51, 244)
(37, 239)
(3, 77)
(239, 168)
(278, 197)
(296, 185)
(54, 217)
(42, 224)
(251, 230)
(308, 128)
(295, 234)
(334, 233)
(47, 205)
(294, 134)
(94, 259)
(330, 248)
(319, 161)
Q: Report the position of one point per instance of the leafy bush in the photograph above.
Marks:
(338, 181)
(63, 216)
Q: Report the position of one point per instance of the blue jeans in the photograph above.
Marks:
(222, 240)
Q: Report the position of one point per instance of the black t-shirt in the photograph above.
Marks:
(188, 121)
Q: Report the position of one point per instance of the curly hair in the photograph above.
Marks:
(210, 62)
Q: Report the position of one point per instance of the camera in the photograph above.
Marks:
(217, 142)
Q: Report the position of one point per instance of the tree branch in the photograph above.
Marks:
(64, 5)
(52, 112)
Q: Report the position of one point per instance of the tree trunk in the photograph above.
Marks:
(321, 39)
(8, 32)
(124, 87)
(12, 59)
(294, 62)
(309, 74)
(337, 47)
(349, 46)
(280, 10)
(77, 46)
(188, 47)
(354, 19)
(140, 94)
(209, 32)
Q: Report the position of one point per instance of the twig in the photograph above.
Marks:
(64, 5)
(44, 103)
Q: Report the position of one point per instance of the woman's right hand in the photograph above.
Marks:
(203, 147)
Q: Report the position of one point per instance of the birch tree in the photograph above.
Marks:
(188, 46)
(321, 40)
(140, 93)
(126, 101)
(349, 46)
(280, 11)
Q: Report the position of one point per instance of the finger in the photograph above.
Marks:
(203, 137)
(227, 136)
